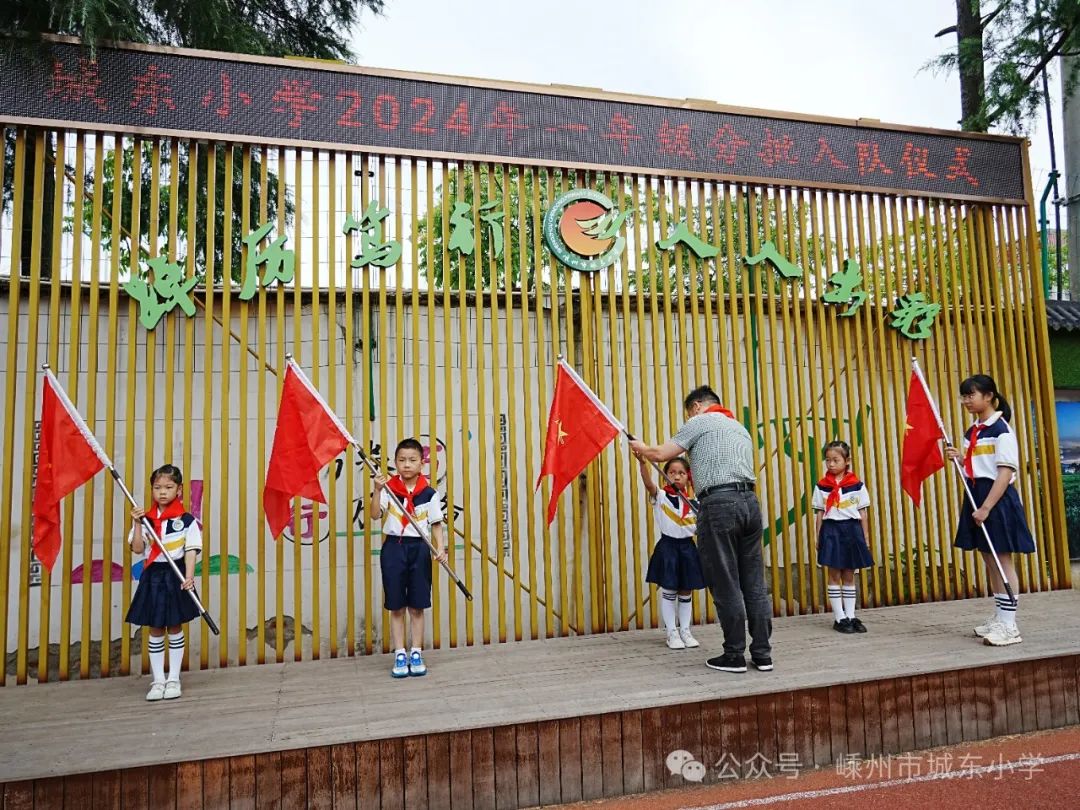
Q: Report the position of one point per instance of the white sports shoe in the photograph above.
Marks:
(1002, 635)
(983, 630)
(157, 691)
(675, 640)
(688, 640)
(172, 690)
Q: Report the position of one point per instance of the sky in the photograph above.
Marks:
(844, 58)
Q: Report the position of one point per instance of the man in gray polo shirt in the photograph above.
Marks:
(729, 525)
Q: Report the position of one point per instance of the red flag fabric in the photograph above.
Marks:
(306, 439)
(578, 429)
(68, 456)
(921, 456)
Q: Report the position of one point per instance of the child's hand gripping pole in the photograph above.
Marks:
(148, 528)
(964, 481)
(420, 529)
(631, 437)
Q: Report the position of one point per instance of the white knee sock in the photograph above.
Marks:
(686, 612)
(835, 599)
(176, 655)
(667, 608)
(157, 658)
(849, 601)
(1006, 610)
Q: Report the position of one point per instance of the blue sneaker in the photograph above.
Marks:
(416, 664)
(401, 666)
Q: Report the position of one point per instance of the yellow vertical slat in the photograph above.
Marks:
(492, 310)
(138, 482)
(74, 344)
(333, 168)
(512, 422)
(653, 404)
(452, 529)
(59, 161)
(481, 409)
(260, 516)
(627, 265)
(194, 152)
(542, 182)
(316, 317)
(242, 482)
(223, 419)
(387, 441)
(350, 414)
(173, 325)
(440, 581)
(281, 166)
(368, 396)
(208, 398)
(15, 307)
(297, 351)
(524, 268)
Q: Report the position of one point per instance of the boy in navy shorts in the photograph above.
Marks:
(405, 557)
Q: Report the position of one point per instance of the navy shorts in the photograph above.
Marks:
(406, 573)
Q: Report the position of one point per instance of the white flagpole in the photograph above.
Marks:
(963, 477)
(147, 526)
(424, 535)
(611, 418)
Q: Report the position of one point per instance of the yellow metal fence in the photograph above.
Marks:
(459, 350)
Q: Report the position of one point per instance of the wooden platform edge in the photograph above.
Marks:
(621, 753)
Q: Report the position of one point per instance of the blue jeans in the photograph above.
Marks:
(729, 533)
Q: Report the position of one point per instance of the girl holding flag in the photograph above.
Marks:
(674, 566)
(991, 458)
(840, 503)
(160, 602)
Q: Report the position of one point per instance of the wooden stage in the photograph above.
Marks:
(540, 722)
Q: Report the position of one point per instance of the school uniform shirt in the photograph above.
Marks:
(853, 499)
(673, 517)
(428, 512)
(180, 535)
(996, 446)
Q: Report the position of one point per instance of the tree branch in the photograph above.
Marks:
(985, 21)
(1034, 74)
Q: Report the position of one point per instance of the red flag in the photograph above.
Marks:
(68, 456)
(307, 437)
(921, 456)
(578, 429)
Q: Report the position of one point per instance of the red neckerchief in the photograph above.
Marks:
(158, 518)
(720, 409)
(682, 497)
(836, 487)
(397, 486)
(976, 429)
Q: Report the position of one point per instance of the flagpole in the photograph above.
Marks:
(424, 535)
(611, 417)
(963, 478)
(144, 521)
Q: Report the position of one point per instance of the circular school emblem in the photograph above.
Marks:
(177, 525)
(581, 229)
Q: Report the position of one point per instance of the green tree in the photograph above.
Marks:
(314, 28)
(1002, 55)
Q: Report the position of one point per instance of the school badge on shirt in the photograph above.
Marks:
(177, 525)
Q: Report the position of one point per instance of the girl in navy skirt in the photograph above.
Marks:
(160, 602)
(991, 457)
(840, 503)
(674, 565)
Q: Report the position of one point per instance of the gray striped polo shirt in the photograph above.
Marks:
(720, 449)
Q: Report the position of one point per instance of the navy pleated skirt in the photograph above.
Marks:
(1006, 523)
(159, 601)
(842, 545)
(675, 565)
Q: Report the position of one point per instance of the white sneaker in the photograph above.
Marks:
(172, 690)
(688, 640)
(1002, 635)
(983, 630)
(675, 641)
(157, 691)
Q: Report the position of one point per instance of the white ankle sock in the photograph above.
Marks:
(1006, 610)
